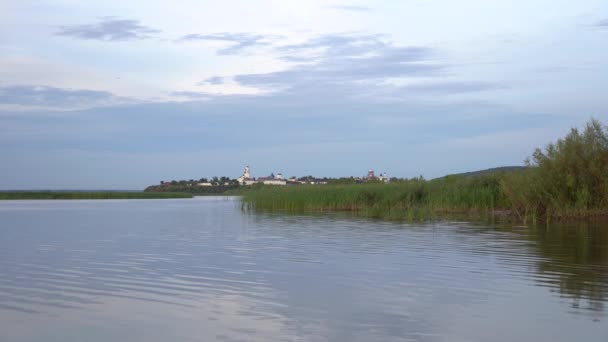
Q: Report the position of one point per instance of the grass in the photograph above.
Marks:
(414, 199)
(76, 195)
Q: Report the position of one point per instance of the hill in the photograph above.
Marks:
(488, 171)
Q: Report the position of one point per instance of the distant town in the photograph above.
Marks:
(279, 179)
(221, 184)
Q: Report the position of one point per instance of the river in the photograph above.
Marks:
(203, 269)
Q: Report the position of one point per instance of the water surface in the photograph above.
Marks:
(202, 270)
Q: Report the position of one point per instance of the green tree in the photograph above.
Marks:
(575, 169)
(568, 177)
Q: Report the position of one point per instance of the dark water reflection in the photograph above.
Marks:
(575, 261)
(201, 270)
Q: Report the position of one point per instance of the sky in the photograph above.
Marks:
(123, 94)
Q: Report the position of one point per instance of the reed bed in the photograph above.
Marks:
(407, 199)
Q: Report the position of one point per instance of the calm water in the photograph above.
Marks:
(202, 270)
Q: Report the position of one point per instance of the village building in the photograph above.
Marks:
(371, 176)
(384, 177)
(273, 180)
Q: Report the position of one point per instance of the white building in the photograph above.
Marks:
(274, 181)
(246, 179)
(384, 177)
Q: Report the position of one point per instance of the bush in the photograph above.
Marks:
(568, 177)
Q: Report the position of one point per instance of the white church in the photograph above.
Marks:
(246, 179)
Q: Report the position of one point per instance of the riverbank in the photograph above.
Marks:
(77, 195)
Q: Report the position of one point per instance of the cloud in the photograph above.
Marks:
(602, 23)
(339, 62)
(337, 44)
(215, 80)
(45, 96)
(347, 66)
(452, 87)
(109, 29)
(191, 95)
(352, 8)
(239, 41)
(551, 69)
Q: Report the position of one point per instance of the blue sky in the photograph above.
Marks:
(123, 94)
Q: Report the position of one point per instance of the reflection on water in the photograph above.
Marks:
(200, 269)
(575, 261)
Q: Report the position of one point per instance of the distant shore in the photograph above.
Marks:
(83, 195)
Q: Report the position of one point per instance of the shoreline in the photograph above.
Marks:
(430, 215)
